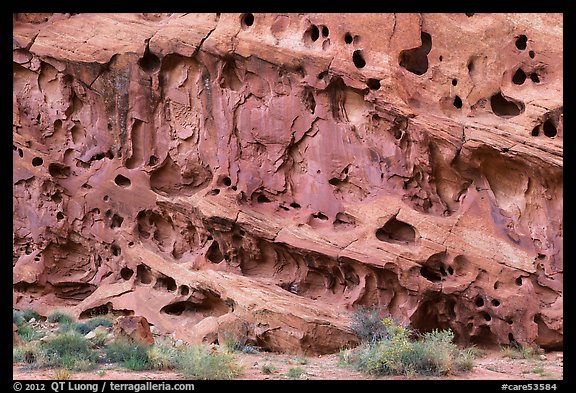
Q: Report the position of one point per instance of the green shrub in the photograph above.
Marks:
(131, 355)
(28, 333)
(26, 354)
(268, 368)
(198, 362)
(60, 317)
(29, 313)
(367, 324)
(295, 372)
(163, 355)
(18, 317)
(519, 352)
(91, 324)
(69, 350)
(433, 353)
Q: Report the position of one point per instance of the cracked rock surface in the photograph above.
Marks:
(265, 174)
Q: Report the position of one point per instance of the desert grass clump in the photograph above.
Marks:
(29, 313)
(60, 317)
(268, 368)
(367, 324)
(61, 374)
(295, 372)
(200, 362)
(399, 353)
(163, 355)
(18, 317)
(28, 333)
(91, 324)
(69, 350)
(130, 354)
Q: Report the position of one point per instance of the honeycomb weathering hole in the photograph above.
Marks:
(214, 254)
(122, 181)
(521, 42)
(549, 129)
(519, 77)
(144, 274)
(505, 108)
(247, 20)
(149, 62)
(415, 60)
(37, 161)
(358, 59)
(126, 273)
(396, 231)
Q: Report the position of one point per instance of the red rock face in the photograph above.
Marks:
(279, 170)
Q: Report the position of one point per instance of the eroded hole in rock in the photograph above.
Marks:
(518, 281)
(96, 311)
(479, 302)
(430, 274)
(373, 84)
(457, 102)
(20, 153)
(58, 170)
(295, 205)
(178, 308)
(486, 316)
(454, 82)
(483, 337)
(521, 42)
(358, 59)
(247, 20)
(519, 77)
(130, 244)
(116, 250)
(37, 161)
(469, 14)
(497, 285)
(320, 216)
(313, 33)
(334, 181)
(116, 221)
(396, 231)
(534, 78)
(153, 160)
(106, 198)
(325, 31)
(450, 270)
(149, 62)
(165, 282)
(344, 220)
(532, 54)
(214, 254)
(348, 38)
(415, 60)
(122, 181)
(495, 302)
(433, 312)
(126, 273)
(549, 129)
(263, 199)
(144, 274)
(227, 181)
(505, 108)
(184, 290)
(536, 130)
(433, 269)
(214, 192)
(59, 216)
(309, 101)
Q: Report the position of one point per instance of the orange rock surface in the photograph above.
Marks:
(265, 174)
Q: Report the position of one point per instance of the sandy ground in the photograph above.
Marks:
(491, 366)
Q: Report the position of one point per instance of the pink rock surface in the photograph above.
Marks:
(279, 170)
